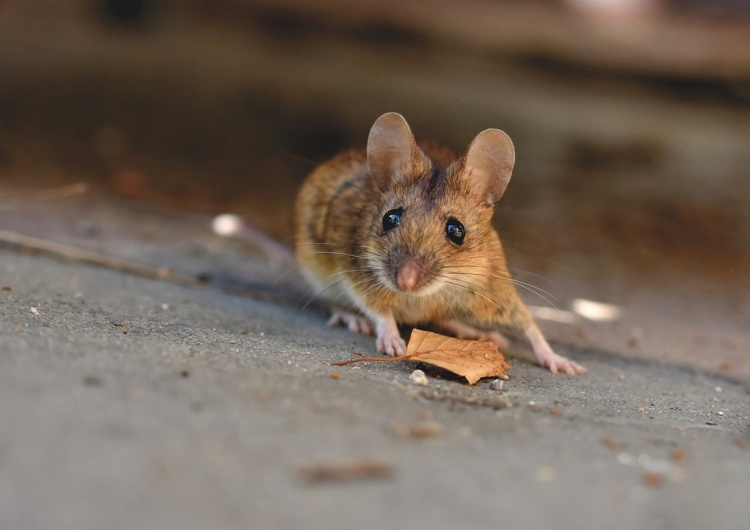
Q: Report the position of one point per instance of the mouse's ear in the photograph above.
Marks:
(391, 150)
(489, 162)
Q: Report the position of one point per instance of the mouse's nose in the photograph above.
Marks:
(408, 275)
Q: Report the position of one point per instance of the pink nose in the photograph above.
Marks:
(408, 275)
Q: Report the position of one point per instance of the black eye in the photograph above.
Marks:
(392, 219)
(455, 231)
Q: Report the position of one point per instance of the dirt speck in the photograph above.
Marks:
(92, 381)
(652, 480)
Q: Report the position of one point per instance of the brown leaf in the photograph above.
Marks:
(652, 480)
(471, 359)
(614, 445)
(426, 429)
(347, 471)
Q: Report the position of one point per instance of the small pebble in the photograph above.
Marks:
(418, 377)
(33, 311)
(497, 384)
(545, 474)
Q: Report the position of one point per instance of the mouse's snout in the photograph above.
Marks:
(414, 274)
(408, 275)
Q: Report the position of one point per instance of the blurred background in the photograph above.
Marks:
(631, 120)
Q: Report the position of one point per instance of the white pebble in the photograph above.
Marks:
(33, 311)
(418, 377)
(545, 474)
(497, 384)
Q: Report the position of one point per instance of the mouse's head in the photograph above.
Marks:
(431, 223)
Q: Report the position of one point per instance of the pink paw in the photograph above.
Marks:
(391, 344)
(549, 359)
(355, 323)
(558, 363)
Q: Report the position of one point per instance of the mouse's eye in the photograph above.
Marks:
(392, 219)
(455, 231)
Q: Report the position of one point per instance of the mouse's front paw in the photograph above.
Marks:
(391, 344)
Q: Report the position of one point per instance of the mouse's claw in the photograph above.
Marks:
(389, 339)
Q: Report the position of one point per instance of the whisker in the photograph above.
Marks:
(541, 293)
(525, 272)
(310, 295)
(376, 285)
(507, 278)
(447, 303)
(288, 266)
(335, 254)
(321, 291)
(472, 289)
(333, 302)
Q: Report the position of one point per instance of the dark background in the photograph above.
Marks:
(631, 119)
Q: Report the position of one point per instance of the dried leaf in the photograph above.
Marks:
(347, 471)
(614, 445)
(426, 429)
(471, 359)
(652, 480)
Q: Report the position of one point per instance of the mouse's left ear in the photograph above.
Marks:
(489, 162)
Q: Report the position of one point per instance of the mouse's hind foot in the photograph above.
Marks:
(548, 358)
(355, 323)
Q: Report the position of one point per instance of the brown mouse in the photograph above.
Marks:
(401, 233)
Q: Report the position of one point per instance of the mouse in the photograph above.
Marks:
(401, 233)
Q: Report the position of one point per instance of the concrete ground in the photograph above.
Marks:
(128, 402)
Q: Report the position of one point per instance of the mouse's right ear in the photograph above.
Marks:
(392, 152)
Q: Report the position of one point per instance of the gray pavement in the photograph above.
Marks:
(127, 402)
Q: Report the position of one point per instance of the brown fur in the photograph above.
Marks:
(351, 261)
